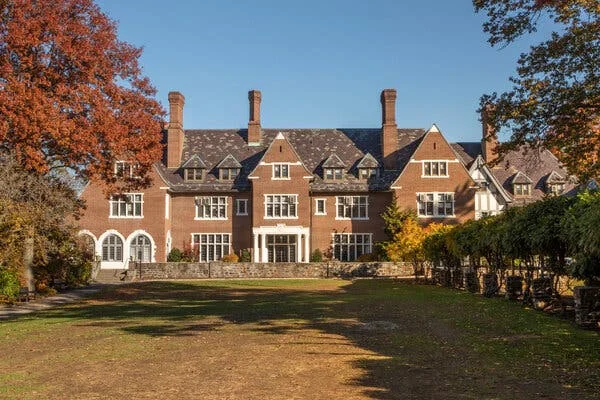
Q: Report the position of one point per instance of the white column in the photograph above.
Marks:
(265, 253)
(306, 247)
(255, 253)
(298, 246)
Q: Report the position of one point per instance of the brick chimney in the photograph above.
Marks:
(254, 128)
(389, 129)
(489, 139)
(175, 130)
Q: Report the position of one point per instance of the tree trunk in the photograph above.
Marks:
(28, 263)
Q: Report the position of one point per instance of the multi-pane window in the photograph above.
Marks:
(112, 249)
(350, 246)
(334, 174)
(125, 169)
(241, 206)
(194, 174)
(320, 207)
(281, 206)
(366, 173)
(435, 204)
(141, 249)
(522, 189)
(229, 174)
(211, 207)
(352, 207)
(129, 205)
(556, 189)
(281, 171)
(211, 246)
(435, 168)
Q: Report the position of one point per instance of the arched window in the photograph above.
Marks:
(88, 243)
(112, 248)
(141, 249)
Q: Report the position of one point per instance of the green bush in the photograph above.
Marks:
(316, 256)
(245, 256)
(9, 284)
(175, 255)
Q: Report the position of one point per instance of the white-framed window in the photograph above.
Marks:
(334, 174)
(435, 204)
(281, 171)
(350, 246)
(228, 174)
(556, 189)
(127, 205)
(435, 168)
(141, 249)
(281, 206)
(320, 207)
(194, 174)
(352, 207)
(112, 249)
(211, 246)
(211, 207)
(241, 206)
(367, 173)
(522, 189)
(125, 169)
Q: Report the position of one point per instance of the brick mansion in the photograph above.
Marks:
(283, 193)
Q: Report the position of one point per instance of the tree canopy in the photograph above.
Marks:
(71, 94)
(555, 98)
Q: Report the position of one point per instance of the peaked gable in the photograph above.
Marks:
(280, 151)
(520, 177)
(194, 162)
(229, 162)
(368, 161)
(333, 161)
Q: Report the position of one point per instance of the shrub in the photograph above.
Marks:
(245, 256)
(369, 257)
(9, 284)
(175, 255)
(316, 256)
(232, 258)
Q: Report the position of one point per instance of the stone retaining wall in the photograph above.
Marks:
(171, 270)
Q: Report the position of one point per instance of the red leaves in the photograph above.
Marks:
(71, 93)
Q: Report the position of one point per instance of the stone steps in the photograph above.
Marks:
(113, 276)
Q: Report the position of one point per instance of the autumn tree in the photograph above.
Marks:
(71, 94)
(555, 98)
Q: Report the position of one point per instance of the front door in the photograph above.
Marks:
(281, 248)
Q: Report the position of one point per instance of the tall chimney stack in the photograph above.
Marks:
(389, 129)
(175, 130)
(489, 139)
(254, 128)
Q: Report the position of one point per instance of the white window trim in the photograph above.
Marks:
(337, 217)
(280, 194)
(197, 218)
(280, 179)
(435, 208)
(211, 233)
(167, 205)
(110, 209)
(349, 234)
(237, 207)
(434, 176)
(324, 200)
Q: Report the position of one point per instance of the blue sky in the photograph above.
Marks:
(319, 64)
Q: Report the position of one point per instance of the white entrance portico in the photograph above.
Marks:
(281, 243)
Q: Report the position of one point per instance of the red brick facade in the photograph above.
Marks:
(292, 202)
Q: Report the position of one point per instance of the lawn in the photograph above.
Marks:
(295, 339)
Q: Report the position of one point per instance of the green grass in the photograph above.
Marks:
(476, 347)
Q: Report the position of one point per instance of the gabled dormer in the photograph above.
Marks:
(333, 168)
(521, 184)
(194, 169)
(368, 167)
(229, 168)
(555, 184)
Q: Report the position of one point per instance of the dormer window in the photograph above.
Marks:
(228, 174)
(556, 189)
(333, 174)
(522, 189)
(367, 173)
(555, 184)
(193, 174)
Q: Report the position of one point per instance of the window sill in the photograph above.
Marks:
(241, 215)
(435, 176)
(281, 179)
(320, 214)
(351, 219)
(280, 217)
(437, 216)
(130, 217)
(210, 219)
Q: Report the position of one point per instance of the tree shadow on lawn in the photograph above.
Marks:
(419, 352)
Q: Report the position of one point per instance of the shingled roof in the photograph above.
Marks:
(194, 162)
